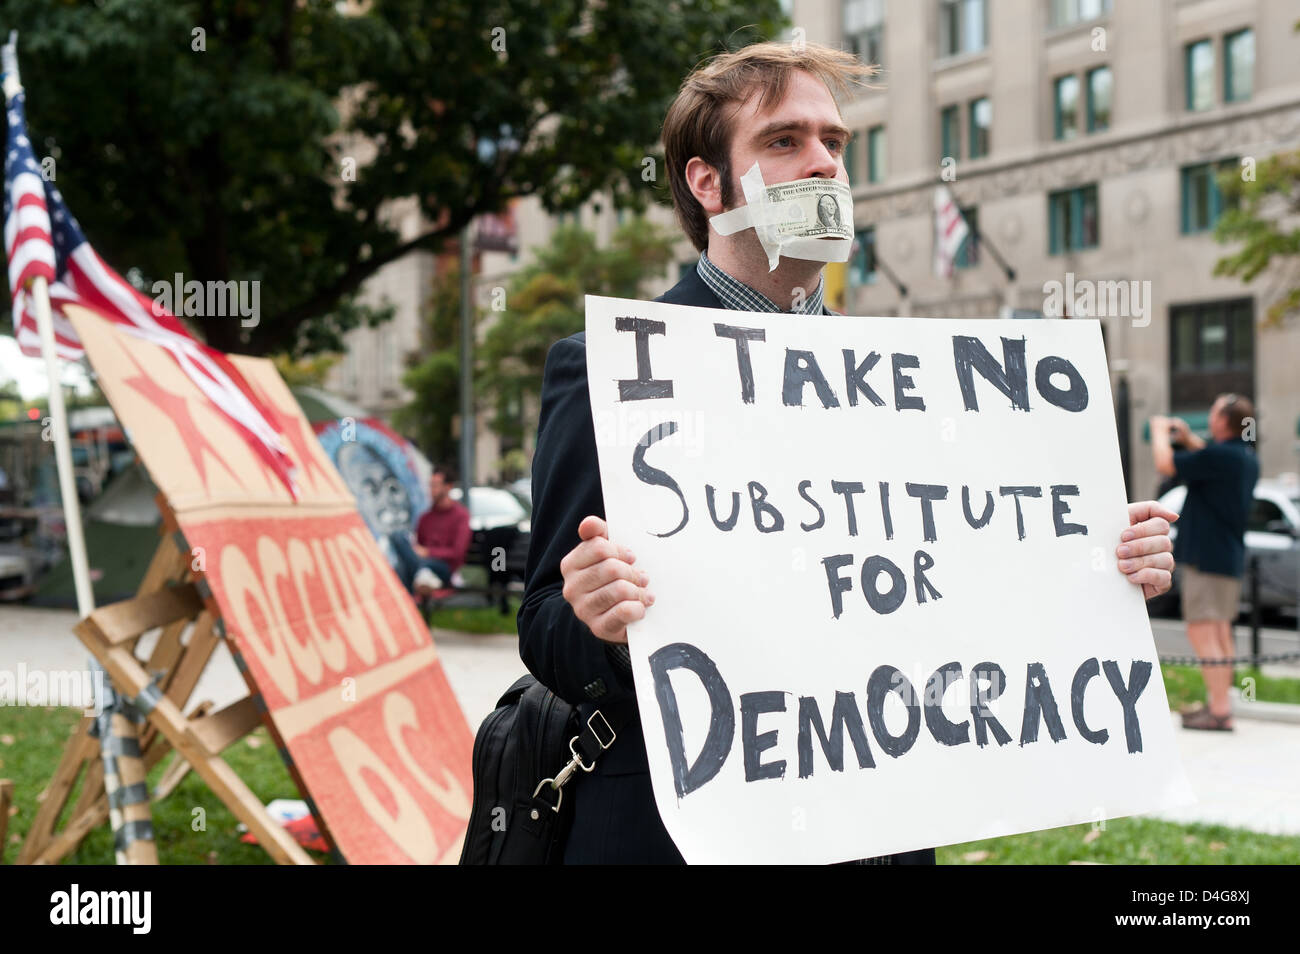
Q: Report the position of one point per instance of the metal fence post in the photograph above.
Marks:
(1254, 611)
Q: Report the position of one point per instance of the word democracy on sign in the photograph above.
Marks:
(987, 681)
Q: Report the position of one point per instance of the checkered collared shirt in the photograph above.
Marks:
(736, 295)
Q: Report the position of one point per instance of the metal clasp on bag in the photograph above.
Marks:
(575, 763)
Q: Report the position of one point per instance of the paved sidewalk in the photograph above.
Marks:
(1249, 778)
(479, 668)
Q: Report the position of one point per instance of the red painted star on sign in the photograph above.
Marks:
(176, 407)
(290, 426)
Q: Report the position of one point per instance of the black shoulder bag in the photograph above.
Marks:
(525, 752)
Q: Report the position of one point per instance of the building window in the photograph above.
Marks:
(1067, 12)
(981, 126)
(963, 27)
(877, 156)
(968, 256)
(862, 265)
(851, 159)
(1072, 219)
(1202, 201)
(864, 28)
(349, 371)
(1199, 69)
(950, 132)
(1238, 66)
(1066, 107)
(1099, 98)
(392, 361)
(1211, 352)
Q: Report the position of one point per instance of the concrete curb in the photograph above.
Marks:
(1264, 711)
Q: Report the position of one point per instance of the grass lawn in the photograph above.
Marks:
(1185, 684)
(481, 620)
(32, 740)
(1130, 841)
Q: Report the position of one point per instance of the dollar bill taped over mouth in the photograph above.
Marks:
(805, 218)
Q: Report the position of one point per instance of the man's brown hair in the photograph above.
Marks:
(1237, 408)
(699, 122)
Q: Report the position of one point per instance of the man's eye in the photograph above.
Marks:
(784, 140)
(835, 145)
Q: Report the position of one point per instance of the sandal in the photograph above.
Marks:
(1205, 719)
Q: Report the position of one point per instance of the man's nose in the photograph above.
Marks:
(822, 163)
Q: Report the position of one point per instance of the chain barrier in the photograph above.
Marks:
(1229, 660)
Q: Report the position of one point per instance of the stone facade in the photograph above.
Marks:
(1135, 164)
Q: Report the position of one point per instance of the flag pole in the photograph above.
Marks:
(63, 451)
(40, 293)
(133, 842)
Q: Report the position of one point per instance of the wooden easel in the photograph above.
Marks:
(169, 599)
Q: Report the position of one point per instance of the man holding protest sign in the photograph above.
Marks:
(760, 124)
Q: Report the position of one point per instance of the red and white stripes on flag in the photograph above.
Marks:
(43, 239)
(950, 231)
(30, 252)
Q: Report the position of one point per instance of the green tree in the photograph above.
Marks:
(428, 419)
(1262, 214)
(11, 400)
(544, 302)
(235, 140)
(305, 372)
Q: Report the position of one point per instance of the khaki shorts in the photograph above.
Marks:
(1208, 596)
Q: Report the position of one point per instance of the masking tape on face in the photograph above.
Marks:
(806, 218)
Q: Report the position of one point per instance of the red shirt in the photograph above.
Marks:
(445, 533)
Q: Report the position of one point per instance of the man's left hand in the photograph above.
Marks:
(1145, 551)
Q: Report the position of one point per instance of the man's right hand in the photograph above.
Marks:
(600, 583)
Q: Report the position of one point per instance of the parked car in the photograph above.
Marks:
(523, 489)
(1272, 537)
(17, 576)
(497, 519)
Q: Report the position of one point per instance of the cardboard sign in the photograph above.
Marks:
(321, 627)
(888, 613)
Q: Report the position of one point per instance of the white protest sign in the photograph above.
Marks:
(888, 613)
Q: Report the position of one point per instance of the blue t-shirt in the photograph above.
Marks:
(1220, 481)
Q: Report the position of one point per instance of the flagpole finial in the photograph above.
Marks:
(9, 65)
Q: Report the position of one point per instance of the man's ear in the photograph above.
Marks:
(705, 185)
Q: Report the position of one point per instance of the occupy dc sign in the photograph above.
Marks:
(888, 614)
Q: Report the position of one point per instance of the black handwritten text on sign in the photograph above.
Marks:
(798, 370)
(883, 558)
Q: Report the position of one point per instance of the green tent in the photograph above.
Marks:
(122, 531)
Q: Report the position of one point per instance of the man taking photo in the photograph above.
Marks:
(1220, 478)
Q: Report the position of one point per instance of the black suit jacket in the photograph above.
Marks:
(615, 817)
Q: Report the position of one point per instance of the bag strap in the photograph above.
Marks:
(596, 735)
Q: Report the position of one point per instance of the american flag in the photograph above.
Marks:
(951, 231)
(42, 239)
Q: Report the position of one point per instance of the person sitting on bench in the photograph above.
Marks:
(442, 538)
